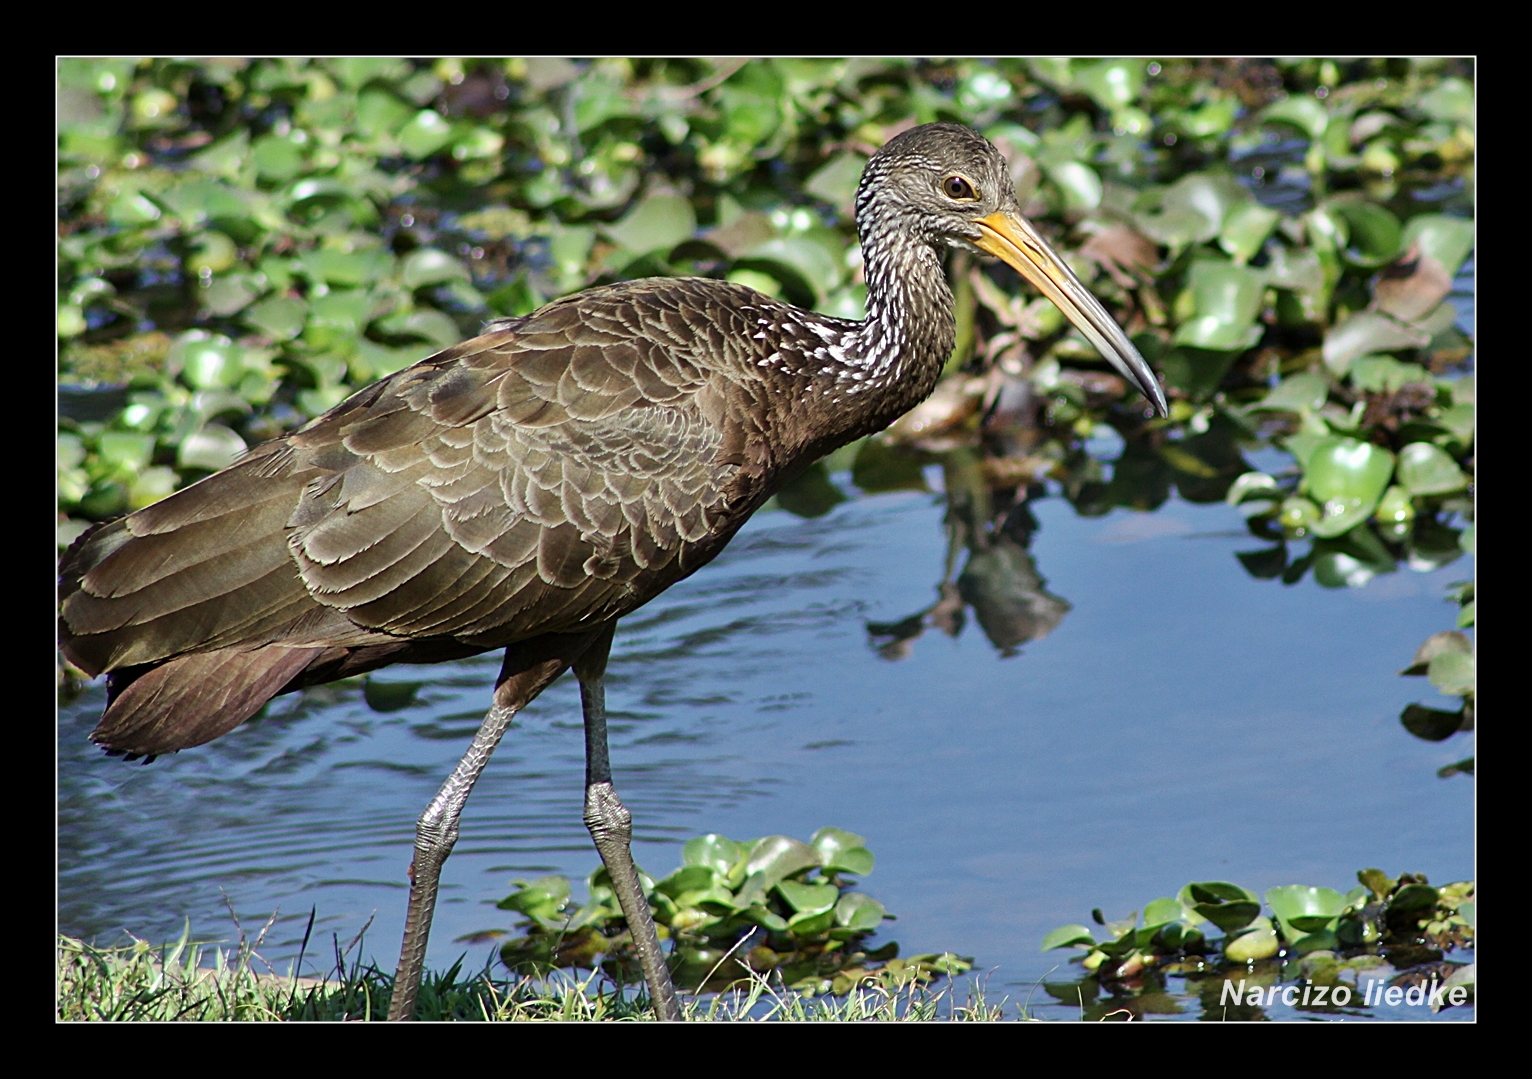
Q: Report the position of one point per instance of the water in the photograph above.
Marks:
(1182, 722)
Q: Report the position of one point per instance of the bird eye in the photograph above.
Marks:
(959, 189)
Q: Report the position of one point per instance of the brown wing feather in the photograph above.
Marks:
(551, 474)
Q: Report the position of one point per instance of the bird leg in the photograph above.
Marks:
(611, 826)
(529, 668)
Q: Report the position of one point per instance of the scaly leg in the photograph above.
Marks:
(529, 668)
(611, 826)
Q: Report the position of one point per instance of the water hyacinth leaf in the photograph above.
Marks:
(1426, 470)
(858, 912)
(778, 856)
(1414, 897)
(1296, 269)
(1259, 943)
(1395, 507)
(1266, 564)
(1384, 374)
(657, 223)
(1245, 229)
(1226, 299)
(435, 326)
(1445, 239)
(1451, 100)
(1229, 916)
(690, 878)
(1347, 477)
(1078, 183)
(806, 898)
(1459, 419)
(1299, 110)
(714, 851)
(428, 266)
(279, 317)
(544, 896)
(1162, 911)
(213, 252)
(1247, 485)
(1374, 234)
(207, 361)
(836, 181)
(803, 255)
(426, 133)
(831, 841)
(121, 449)
(1366, 332)
(1305, 390)
(809, 924)
(1305, 908)
(212, 448)
(1452, 673)
(345, 268)
(1193, 209)
(858, 860)
(1068, 935)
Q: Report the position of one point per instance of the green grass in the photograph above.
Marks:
(198, 982)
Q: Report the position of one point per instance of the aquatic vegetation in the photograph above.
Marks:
(774, 907)
(1385, 935)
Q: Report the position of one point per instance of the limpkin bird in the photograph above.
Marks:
(527, 488)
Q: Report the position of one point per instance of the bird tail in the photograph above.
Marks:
(193, 699)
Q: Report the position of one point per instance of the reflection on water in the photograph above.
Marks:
(1185, 721)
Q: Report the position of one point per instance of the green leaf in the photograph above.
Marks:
(1452, 673)
(778, 856)
(1426, 470)
(1414, 897)
(1302, 909)
(1066, 935)
(690, 878)
(1248, 484)
(123, 450)
(428, 266)
(1245, 229)
(1305, 390)
(836, 181)
(806, 898)
(657, 223)
(1162, 911)
(279, 317)
(1259, 943)
(829, 842)
(1078, 183)
(212, 448)
(1378, 883)
(1374, 233)
(858, 912)
(713, 851)
(425, 134)
(1446, 239)
(1192, 209)
(1300, 110)
(1384, 374)
(1348, 478)
(810, 924)
(1226, 299)
(1367, 332)
(1230, 917)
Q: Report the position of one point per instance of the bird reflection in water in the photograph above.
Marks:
(999, 579)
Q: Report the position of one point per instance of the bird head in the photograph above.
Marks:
(946, 185)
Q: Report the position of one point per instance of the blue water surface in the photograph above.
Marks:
(1183, 722)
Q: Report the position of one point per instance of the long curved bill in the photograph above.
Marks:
(1007, 236)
